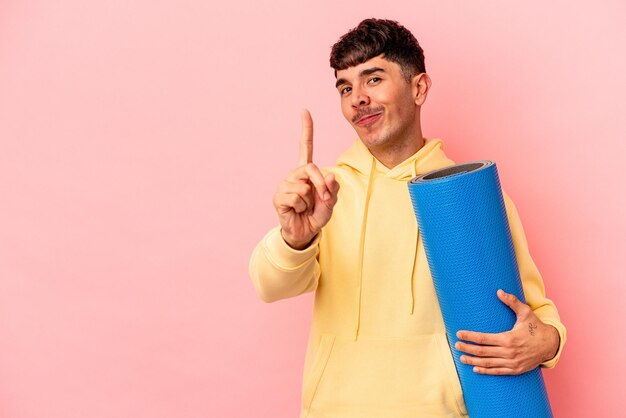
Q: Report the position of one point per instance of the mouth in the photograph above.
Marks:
(368, 120)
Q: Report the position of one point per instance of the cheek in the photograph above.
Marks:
(346, 110)
(407, 105)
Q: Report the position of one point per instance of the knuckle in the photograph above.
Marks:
(281, 198)
(304, 189)
(508, 341)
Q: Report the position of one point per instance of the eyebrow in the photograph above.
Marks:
(363, 73)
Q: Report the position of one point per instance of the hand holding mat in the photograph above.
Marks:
(529, 343)
(461, 216)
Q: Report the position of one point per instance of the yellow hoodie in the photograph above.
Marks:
(377, 347)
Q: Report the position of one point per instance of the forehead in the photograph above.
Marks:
(376, 62)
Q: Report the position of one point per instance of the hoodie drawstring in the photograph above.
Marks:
(417, 235)
(359, 159)
(370, 183)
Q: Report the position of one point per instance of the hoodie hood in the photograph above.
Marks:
(427, 158)
(360, 160)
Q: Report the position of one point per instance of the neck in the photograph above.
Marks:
(394, 154)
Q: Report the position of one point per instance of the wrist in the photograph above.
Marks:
(553, 343)
(295, 244)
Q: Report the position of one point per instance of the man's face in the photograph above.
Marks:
(379, 103)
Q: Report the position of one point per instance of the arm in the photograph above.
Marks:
(538, 336)
(279, 271)
(284, 264)
(532, 282)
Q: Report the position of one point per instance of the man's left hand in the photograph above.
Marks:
(526, 346)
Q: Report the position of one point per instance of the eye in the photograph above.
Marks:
(374, 80)
(345, 90)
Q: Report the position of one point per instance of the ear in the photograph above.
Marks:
(420, 84)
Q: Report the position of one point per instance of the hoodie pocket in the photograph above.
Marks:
(378, 376)
(453, 378)
(317, 369)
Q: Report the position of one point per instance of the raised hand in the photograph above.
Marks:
(305, 199)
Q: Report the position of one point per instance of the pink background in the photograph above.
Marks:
(140, 145)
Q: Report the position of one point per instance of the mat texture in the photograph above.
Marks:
(461, 216)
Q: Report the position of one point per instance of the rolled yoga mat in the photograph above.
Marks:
(462, 218)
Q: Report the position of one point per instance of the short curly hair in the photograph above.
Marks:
(373, 37)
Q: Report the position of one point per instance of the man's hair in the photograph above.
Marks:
(374, 37)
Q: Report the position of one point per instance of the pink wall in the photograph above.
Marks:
(140, 144)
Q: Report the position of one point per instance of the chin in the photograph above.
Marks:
(373, 141)
(372, 144)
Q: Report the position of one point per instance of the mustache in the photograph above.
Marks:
(366, 111)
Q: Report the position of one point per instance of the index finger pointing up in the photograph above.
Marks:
(306, 138)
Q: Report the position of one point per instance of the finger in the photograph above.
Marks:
(297, 203)
(486, 362)
(513, 302)
(331, 183)
(499, 371)
(310, 172)
(333, 188)
(482, 338)
(481, 350)
(285, 202)
(306, 138)
(304, 190)
(316, 177)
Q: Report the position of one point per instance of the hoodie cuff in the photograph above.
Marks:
(562, 336)
(283, 256)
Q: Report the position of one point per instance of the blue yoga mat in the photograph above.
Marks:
(461, 216)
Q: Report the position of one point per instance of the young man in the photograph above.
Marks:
(377, 346)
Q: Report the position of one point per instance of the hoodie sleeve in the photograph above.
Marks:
(534, 289)
(279, 272)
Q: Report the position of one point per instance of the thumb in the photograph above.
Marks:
(331, 183)
(333, 187)
(512, 302)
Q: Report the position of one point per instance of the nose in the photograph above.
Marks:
(359, 97)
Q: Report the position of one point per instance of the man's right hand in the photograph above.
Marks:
(304, 201)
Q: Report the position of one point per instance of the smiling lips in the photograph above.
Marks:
(367, 120)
